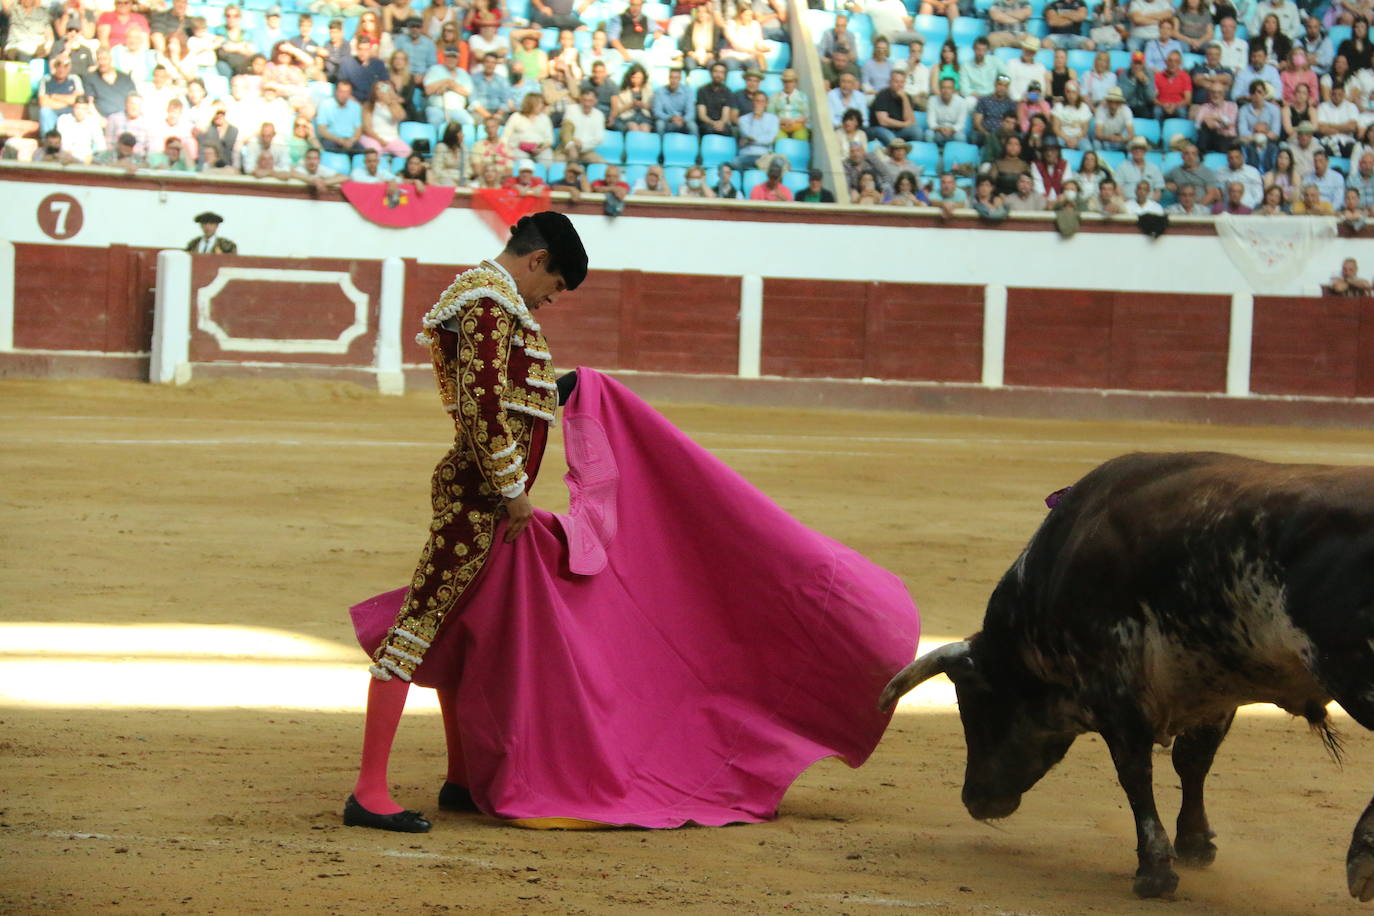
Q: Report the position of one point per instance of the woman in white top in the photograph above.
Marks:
(1091, 173)
(744, 35)
(381, 114)
(1099, 79)
(1071, 117)
(529, 132)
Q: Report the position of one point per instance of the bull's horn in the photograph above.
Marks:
(936, 661)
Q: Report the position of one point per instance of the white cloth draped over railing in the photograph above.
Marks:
(1272, 252)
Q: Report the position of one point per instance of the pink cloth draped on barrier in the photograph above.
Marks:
(676, 649)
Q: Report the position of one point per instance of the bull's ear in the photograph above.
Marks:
(963, 670)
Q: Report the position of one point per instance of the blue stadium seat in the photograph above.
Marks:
(1074, 157)
(1215, 161)
(716, 149)
(642, 148)
(981, 7)
(1337, 34)
(957, 153)
(612, 149)
(1037, 27)
(778, 57)
(1006, 55)
(38, 68)
(927, 156)
(520, 9)
(1111, 158)
(548, 40)
(1176, 126)
(753, 178)
(1044, 58)
(796, 182)
(1191, 60)
(414, 130)
(674, 175)
(596, 171)
(1037, 9)
(734, 80)
(217, 86)
(1170, 162)
(1149, 129)
(1121, 60)
(1081, 61)
(339, 162)
(555, 171)
(929, 25)
(921, 122)
(820, 21)
(679, 149)
(771, 84)
(469, 134)
(1154, 156)
(861, 25)
(966, 29)
(1341, 164)
(798, 152)
(634, 174)
(356, 161)
(697, 78)
(900, 53)
(657, 11)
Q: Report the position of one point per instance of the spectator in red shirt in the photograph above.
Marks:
(773, 188)
(1173, 89)
(524, 182)
(611, 183)
(112, 27)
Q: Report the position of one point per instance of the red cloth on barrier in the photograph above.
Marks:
(398, 206)
(501, 208)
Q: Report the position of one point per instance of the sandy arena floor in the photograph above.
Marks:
(149, 763)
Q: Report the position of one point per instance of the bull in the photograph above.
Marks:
(1162, 592)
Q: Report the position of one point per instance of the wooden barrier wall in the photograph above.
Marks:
(97, 300)
(1321, 347)
(1105, 339)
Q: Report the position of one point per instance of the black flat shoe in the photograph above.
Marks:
(355, 815)
(453, 797)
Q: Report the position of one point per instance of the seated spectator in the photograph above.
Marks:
(694, 185)
(1315, 42)
(611, 183)
(653, 184)
(701, 43)
(1341, 72)
(1361, 179)
(1107, 27)
(339, 121)
(1138, 87)
(449, 167)
(130, 121)
(602, 53)
(1060, 76)
(1337, 121)
(673, 107)
(1098, 81)
(266, 167)
(215, 165)
(904, 192)
(894, 161)
(1195, 25)
(527, 56)
(1006, 172)
(1007, 23)
(850, 131)
(1145, 17)
(1157, 50)
(1299, 72)
(488, 176)
(221, 135)
(1025, 199)
(1025, 69)
(1050, 171)
(447, 89)
(1305, 148)
(1108, 200)
(714, 114)
(524, 182)
(123, 154)
(990, 110)
(725, 182)
(1070, 119)
(848, 97)
(1174, 89)
(107, 86)
(1218, 122)
(947, 196)
(492, 150)
(1187, 203)
(1032, 105)
(1266, 32)
(978, 75)
(917, 74)
(1328, 182)
(815, 192)
(1259, 68)
(558, 14)
(857, 162)
(30, 32)
(947, 116)
(112, 28)
(583, 129)
(837, 38)
(840, 63)
(744, 45)
(1273, 203)
(603, 86)
(866, 192)
(1193, 172)
(1247, 176)
(57, 93)
(529, 132)
(1137, 168)
(492, 93)
(1353, 216)
(382, 116)
(792, 107)
(1348, 282)
(632, 109)
(1090, 174)
(1258, 129)
(758, 130)
(874, 74)
(630, 32)
(1211, 73)
(891, 114)
(486, 41)
(742, 101)
(947, 68)
(264, 141)
(573, 180)
(891, 18)
(1234, 202)
(1065, 19)
(1143, 203)
(372, 171)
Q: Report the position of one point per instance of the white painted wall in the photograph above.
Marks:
(1034, 257)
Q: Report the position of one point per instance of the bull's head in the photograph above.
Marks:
(1016, 727)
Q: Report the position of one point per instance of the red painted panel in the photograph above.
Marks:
(813, 328)
(425, 283)
(925, 332)
(1163, 342)
(1058, 338)
(1305, 345)
(681, 323)
(277, 307)
(584, 326)
(76, 298)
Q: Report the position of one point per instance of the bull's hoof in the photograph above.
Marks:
(1359, 868)
(1196, 850)
(1155, 884)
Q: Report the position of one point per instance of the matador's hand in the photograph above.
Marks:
(519, 511)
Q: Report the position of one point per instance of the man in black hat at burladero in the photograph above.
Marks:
(210, 241)
(496, 379)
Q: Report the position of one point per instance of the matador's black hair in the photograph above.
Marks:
(554, 232)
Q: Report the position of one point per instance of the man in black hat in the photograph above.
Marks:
(496, 380)
(815, 192)
(210, 241)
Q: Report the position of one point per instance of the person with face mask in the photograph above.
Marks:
(694, 185)
(1033, 103)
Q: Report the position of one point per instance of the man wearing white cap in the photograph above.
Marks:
(1026, 69)
(1114, 123)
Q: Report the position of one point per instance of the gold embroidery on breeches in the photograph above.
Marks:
(466, 510)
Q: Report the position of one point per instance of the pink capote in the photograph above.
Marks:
(676, 649)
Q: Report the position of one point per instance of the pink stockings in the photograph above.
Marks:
(386, 700)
